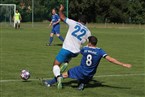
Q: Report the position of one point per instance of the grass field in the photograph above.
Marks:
(26, 49)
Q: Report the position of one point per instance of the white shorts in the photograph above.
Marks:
(17, 21)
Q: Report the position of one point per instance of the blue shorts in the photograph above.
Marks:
(78, 74)
(65, 56)
(56, 29)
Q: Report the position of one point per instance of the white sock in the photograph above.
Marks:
(56, 70)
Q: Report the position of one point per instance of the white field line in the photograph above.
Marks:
(99, 76)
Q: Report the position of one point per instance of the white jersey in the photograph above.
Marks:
(77, 35)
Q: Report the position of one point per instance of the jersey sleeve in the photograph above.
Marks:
(69, 21)
(103, 53)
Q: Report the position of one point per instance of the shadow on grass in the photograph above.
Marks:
(92, 84)
(57, 45)
(54, 45)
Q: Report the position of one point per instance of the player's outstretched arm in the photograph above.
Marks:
(61, 14)
(115, 61)
(50, 24)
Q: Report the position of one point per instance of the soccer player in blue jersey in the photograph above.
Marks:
(55, 27)
(91, 56)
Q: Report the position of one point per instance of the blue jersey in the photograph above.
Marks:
(91, 59)
(89, 63)
(56, 27)
(55, 18)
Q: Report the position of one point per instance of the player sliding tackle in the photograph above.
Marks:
(77, 34)
(91, 56)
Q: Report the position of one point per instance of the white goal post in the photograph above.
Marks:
(11, 5)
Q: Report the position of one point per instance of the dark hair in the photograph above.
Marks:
(83, 19)
(93, 40)
(54, 9)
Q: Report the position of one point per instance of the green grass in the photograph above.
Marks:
(26, 49)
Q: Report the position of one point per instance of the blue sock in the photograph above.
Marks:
(50, 40)
(53, 81)
(61, 38)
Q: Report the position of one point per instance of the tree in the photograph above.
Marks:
(82, 7)
(116, 11)
(136, 11)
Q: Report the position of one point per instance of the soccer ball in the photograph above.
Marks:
(25, 75)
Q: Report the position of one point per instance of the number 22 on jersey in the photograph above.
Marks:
(77, 34)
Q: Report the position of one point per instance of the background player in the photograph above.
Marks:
(55, 27)
(17, 19)
(89, 63)
(77, 34)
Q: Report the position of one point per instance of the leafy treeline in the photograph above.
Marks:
(111, 11)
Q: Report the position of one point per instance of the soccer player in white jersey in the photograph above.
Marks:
(77, 34)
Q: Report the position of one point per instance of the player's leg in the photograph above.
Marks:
(56, 68)
(77, 73)
(18, 23)
(81, 86)
(49, 83)
(65, 75)
(63, 67)
(56, 71)
(69, 57)
(15, 24)
(57, 30)
(59, 79)
(51, 38)
(72, 73)
(82, 83)
(60, 37)
(60, 58)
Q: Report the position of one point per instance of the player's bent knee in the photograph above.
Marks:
(56, 63)
(51, 34)
(65, 75)
(57, 35)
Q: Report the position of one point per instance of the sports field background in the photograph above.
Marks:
(26, 49)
